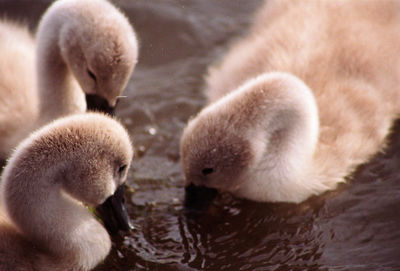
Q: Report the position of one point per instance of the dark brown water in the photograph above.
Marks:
(356, 227)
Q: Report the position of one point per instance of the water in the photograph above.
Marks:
(356, 227)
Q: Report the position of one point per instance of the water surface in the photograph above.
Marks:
(356, 227)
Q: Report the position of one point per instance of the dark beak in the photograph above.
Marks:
(113, 212)
(99, 104)
(199, 197)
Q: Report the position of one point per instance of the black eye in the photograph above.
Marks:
(121, 169)
(207, 171)
(92, 75)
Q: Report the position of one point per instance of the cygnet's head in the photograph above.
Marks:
(87, 154)
(100, 48)
(102, 156)
(214, 150)
(254, 142)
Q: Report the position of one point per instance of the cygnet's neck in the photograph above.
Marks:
(59, 93)
(38, 207)
(283, 131)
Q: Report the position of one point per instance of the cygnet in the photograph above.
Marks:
(295, 105)
(81, 47)
(49, 180)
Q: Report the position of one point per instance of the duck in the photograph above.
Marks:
(52, 176)
(298, 102)
(81, 47)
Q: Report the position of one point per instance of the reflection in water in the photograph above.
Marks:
(230, 235)
(353, 228)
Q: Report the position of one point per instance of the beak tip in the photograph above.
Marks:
(97, 103)
(114, 214)
(198, 197)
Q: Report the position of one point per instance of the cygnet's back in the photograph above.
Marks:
(337, 82)
(74, 161)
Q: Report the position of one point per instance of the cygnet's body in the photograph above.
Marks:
(76, 160)
(310, 93)
(82, 47)
(18, 96)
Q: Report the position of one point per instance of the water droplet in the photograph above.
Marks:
(120, 255)
(152, 131)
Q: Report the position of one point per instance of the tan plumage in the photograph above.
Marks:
(82, 46)
(43, 224)
(310, 93)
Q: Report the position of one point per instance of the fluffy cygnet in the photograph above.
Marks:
(76, 160)
(82, 47)
(310, 93)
